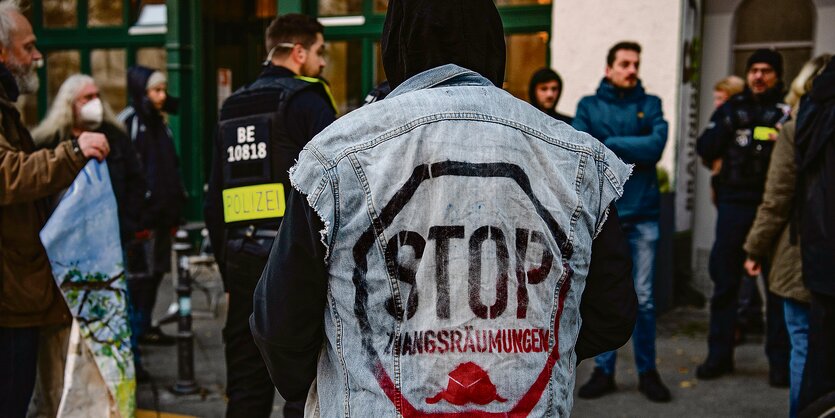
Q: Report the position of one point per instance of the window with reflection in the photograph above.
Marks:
(522, 2)
(526, 53)
(60, 14)
(59, 66)
(340, 7)
(104, 13)
(151, 57)
(109, 71)
(344, 74)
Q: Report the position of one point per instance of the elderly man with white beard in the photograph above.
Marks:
(29, 298)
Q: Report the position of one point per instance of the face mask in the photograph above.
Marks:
(92, 113)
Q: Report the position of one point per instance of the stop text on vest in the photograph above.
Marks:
(443, 237)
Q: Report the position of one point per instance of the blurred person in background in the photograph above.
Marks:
(544, 92)
(769, 237)
(149, 255)
(742, 133)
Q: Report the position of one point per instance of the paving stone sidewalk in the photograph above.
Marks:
(681, 347)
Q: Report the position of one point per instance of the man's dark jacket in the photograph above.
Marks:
(165, 197)
(730, 137)
(816, 189)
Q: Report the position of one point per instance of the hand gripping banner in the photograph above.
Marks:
(81, 239)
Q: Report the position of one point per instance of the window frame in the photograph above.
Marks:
(85, 39)
(516, 20)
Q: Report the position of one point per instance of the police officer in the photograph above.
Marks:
(261, 130)
(741, 134)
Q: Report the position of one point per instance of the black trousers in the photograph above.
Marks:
(726, 269)
(18, 365)
(819, 372)
(248, 386)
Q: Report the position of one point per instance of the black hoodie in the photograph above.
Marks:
(423, 34)
(545, 75)
(152, 140)
(418, 35)
(816, 179)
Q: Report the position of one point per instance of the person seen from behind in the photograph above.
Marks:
(815, 157)
(446, 214)
(769, 237)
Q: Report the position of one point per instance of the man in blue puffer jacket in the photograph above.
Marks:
(631, 123)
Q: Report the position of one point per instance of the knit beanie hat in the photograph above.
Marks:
(768, 56)
(156, 77)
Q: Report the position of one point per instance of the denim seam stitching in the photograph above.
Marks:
(460, 116)
(341, 352)
(380, 240)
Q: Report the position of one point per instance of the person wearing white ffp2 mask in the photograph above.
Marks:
(78, 109)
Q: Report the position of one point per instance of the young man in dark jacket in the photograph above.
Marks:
(631, 123)
(741, 133)
(261, 130)
(165, 196)
(544, 92)
(372, 280)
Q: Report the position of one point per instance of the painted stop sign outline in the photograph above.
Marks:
(525, 404)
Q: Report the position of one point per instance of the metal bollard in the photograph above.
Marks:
(185, 384)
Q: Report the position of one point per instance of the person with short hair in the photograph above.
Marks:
(261, 130)
(544, 92)
(725, 88)
(29, 178)
(631, 123)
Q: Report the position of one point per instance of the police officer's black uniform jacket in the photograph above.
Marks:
(261, 130)
(738, 134)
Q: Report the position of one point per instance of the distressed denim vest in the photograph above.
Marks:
(459, 222)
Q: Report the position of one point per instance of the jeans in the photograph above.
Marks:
(18, 365)
(819, 371)
(797, 322)
(643, 242)
(726, 269)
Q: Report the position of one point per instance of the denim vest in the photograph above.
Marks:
(459, 223)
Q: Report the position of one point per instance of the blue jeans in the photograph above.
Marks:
(797, 322)
(18, 365)
(643, 242)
